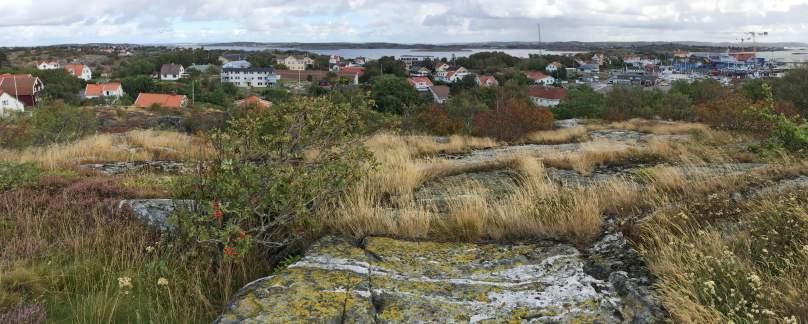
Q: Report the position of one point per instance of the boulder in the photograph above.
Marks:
(155, 212)
(392, 281)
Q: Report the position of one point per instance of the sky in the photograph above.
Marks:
(46, 22)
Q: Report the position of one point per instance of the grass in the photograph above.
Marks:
(139, 145)
(652, 126)
(66, 248)
(751, 272)
(558, 136)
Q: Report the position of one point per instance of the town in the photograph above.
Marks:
(592, 182)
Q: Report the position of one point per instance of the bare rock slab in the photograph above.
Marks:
(391, 281)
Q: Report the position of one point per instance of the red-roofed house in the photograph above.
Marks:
(80, 71)
(147, 100)
(539, 78)
(25, 88)
(452, 74)
(352, 73)
(259, 103)
(546, 96)
(487, 81)
(421, 84)
(111, 89)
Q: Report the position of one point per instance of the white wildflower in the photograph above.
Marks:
(125, 283)
(150, 249)
(162, 282)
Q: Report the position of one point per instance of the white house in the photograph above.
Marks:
(172, 72)
(553, 67)
(9, 104)
(452, 74)
(421, 84)
(540, 78)
(251, 77)
(48, 65)
(297, 63)
(486, 81)
(111, 89)
(546, 96)
(80, 71)
(240, 64)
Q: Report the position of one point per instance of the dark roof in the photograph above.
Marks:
(551, 93)
(440, 90)
(170, 69)
(250, 70)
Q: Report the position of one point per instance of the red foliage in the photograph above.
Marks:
(436, 120)
(512, 120)
(731, 111)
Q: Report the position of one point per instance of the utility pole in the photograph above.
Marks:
(541, 51)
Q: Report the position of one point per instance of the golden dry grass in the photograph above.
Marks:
(652, 126)
(558, 136)
(139, 145)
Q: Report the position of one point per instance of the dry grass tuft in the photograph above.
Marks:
(139, 145)
(558, 136)
(653, 126)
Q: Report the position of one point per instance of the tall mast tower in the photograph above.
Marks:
(541, 50)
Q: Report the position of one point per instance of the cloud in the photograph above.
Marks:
(35, 22)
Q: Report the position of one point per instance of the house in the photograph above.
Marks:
(240, 64)
(486, 81)
(351, 73)
(250, 77)
(451, 74)
(259, 103)
(359, 60)
(111, 89)
(172, 72)
(599, 59)
(419, 71)
(80, 71)
(441, 66)
(589, 68)
(48, 65)
(24, 88)
(297, 63)
(421, 84)
(410, 60)
(225, 58)
(543, 96)
(9, 104)
(440, 93)
(540, 78)
(553, 67)
(148, 100)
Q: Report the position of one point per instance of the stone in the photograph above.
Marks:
(392, 281)
(155, 212)
(114, 168)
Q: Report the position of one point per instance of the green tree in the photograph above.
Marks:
(581, 102)
(134, 85)
(393, 95)
(384, 65)
(462, 109)
(794, 88)
(261, 59)
(60, 85)
(264, 187)
(58, 123)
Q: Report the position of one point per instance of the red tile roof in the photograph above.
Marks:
(419, 80)
(485, 78)
(74, 69)
(19, 84)
(254, 100)
(97, 90)
(535, 75)
(551, 93)
(146, 100)
(352, 70)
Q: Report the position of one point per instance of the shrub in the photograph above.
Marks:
(512, 120)
(272, 172)
(59, 123)
(14, 176)
(436, 120)
(728, 112)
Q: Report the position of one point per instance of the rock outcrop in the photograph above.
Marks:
(155, 212)
(391, 281)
